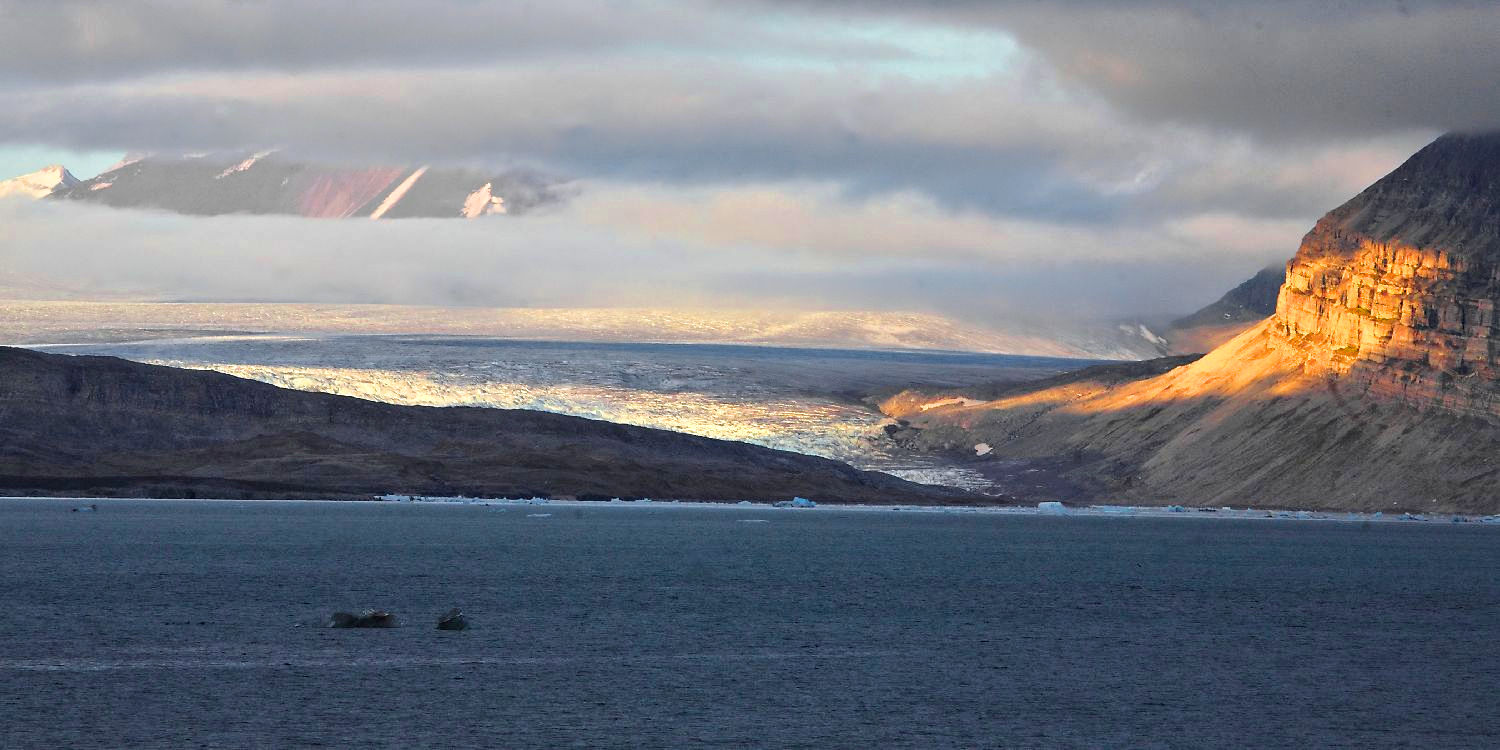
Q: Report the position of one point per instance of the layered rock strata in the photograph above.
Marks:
(1396, 289)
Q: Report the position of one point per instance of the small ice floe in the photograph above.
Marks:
(453, 619)
(370, 618)
(1413, 517)
(90, 508)
(753, 520)
(538, 515)
(1176, 509)
(744, 502)
(796, 502)
(983, 449)
(1052, 508)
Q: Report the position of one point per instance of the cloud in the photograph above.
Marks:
(982, 157)
(764, 246)
(1006, 145)
(1276, 69)
(73, 41)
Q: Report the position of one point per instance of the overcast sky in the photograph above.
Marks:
(973, 158)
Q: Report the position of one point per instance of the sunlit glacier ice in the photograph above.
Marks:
(804, 400)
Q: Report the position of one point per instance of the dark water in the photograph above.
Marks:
(170, 624)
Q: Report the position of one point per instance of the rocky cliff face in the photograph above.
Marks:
(1396, 289)
(1373, 386)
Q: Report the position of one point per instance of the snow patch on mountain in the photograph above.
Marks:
(38, 184)
(244, 165)
(482, 202)
(399, 193)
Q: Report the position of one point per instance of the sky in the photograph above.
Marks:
(977, 159)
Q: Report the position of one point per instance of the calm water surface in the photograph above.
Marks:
(170, 624)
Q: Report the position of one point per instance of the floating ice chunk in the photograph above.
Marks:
(753, 520)
(538, 515)
(1051, 508)
(90, 508)
(796, 502)
(1176, 509)
(744, 502)
(983, 449)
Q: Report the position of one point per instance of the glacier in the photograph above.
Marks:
(800, 400)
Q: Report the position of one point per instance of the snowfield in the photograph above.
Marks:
(27, 320)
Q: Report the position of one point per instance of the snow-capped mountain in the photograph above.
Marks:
(38, 184)
(269, 183)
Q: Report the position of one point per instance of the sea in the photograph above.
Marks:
(201, 624)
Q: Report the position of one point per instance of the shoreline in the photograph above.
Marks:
(1040, 509)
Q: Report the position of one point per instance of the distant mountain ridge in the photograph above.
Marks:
(269, 183)
(1240, 308)
(35, 320)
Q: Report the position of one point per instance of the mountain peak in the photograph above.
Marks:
(38, 184)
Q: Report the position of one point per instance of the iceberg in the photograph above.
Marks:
(796, 502)
(1052, 508)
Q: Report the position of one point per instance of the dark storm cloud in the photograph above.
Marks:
(967, 145)
(62, 41)
(1279, 69)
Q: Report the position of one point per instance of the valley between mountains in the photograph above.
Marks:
(1363, 375)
